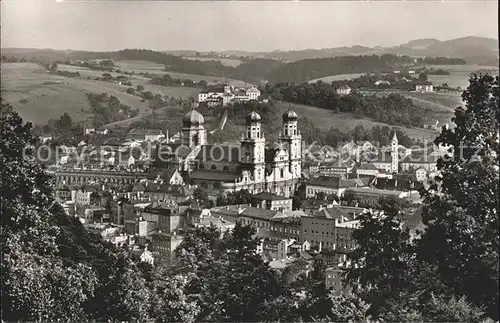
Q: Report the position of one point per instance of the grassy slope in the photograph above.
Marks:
(340, 77)
(49, 96)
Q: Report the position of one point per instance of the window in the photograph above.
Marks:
(282, 172)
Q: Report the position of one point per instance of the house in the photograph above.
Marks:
(147, 256)
(271, 201)
(145, 135)
(382, 82)
(333, 280)
(424, 88)
(344, 90)
(253, 93)
(367, 169)
(421, 174)
(170, 175)
(338, 167)
(88, 129)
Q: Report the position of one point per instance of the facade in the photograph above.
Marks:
(145, 135)
(331, 185)
(388, 161)
(344, 90)
(272, 202)
(250, 166)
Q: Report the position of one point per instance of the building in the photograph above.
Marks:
(344, 90)
(367, 169)
(331, 185)
(141, 135)
(271, 201)
(423, 159)
(373, 194)
(424, 88)
(387, 161)
(333, 280)
(253, 93)
(251, 166)
(286, 225)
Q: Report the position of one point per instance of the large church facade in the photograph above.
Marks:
(251, 166)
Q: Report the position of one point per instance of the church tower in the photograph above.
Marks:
(253, 146)
(193, 133)
(394, 154)
(292, 141)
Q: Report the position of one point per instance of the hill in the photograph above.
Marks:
(475, 50)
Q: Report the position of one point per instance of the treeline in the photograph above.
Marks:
(335, 138)
(108, 109)
(441, 60)
(167, 80)
(392, 109)
(309, 69)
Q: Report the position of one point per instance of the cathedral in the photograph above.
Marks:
(251, 165)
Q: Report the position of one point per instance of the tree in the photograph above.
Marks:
(229, 279)
(422, 77)
(52, 268)
(462, 211)
(140, 88)
(53, 66)
(131, 90)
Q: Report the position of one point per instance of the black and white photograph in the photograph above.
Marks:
(249, 161)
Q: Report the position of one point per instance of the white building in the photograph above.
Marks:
(253, 93)
(424, 88)
(344, 90)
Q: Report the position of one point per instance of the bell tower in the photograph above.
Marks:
(253, 146)
(292, 140)
(394, 154)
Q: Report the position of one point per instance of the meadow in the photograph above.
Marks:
(224, 61)
(340, 77)
(153, 68)
(39, 96)
(345, 122)
(459, 74)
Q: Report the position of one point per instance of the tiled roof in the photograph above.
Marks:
(367, 166)
(266, 196)
(335, 182)
(212, 175)
(374, 191)
(331, 213)
(164, 173)
(258, 213)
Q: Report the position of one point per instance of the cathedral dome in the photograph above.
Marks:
(193, 118)
(289, 115)
(253, 117)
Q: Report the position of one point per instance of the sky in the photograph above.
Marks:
(239, 25)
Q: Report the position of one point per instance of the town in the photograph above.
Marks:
(249, 161)
(149, 190)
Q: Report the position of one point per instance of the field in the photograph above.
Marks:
(224, 61)
(325, 119)
(459, 74)
(48, 96)
(153, 68)
(340, 77)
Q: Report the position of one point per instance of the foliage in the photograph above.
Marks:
(230, 280)
(392, 109)
(461, 237)
(108, 109)
(52, 268)
(450, 271)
